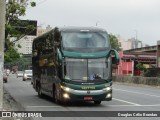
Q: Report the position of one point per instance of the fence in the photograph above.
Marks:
(152, 81)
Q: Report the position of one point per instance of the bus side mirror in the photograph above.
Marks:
(115, 56)
(115, 59)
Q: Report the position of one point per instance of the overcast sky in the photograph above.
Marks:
(123, 17)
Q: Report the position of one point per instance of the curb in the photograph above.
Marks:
(13, 105)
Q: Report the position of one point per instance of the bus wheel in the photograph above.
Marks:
(55, 99)
(39, 90)
(97, 102)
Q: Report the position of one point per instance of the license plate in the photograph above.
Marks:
(87, 98)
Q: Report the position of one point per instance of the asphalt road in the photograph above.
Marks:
(125, 98)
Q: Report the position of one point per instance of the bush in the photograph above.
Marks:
(152, 72)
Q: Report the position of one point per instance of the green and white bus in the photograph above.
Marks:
(73, 64)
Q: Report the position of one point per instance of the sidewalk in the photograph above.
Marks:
(9, 104)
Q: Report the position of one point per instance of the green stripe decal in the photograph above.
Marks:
(85, 55)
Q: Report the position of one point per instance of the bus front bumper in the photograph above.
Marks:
(87, 95)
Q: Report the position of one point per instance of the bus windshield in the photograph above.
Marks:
(85, 40)
(86, 69)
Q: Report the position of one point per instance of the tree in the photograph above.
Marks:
(14, 10)
(140, 66)
(11, 55)
(114, 42)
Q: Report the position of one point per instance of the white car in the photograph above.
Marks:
(5, 77)
(19, 74)
(8, 71)
(27, 75)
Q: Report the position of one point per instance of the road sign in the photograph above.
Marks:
(27, 27)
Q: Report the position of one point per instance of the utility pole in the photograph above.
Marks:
(136, 41)
(2, 40)
(97, 23)
(136, 35)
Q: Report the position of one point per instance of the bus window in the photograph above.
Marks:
(85, 40)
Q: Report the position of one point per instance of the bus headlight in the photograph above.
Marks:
(67, 89)
(108, 88)
(65, 95)
(109, 95)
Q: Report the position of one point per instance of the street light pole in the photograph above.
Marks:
(97, 23)
(136, 39)
(2, 40)
(136, 35)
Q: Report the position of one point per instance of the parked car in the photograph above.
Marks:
(5, 77)
(8, 72)
(27, 75)
(19, 74)
(32, 80)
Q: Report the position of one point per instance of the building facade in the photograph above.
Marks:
(131, 43)
(128, 63)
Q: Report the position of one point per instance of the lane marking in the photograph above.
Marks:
(121, 105)
(126, 102)
(158, 105)
(136, 92)
(42, 106)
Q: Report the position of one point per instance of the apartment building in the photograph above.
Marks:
(131, 43)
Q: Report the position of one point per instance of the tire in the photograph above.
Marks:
(5, 81)
(55, 99)
(53, 94)
(97, 102)
(39, 90)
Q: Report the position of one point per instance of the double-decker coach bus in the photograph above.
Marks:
(73, 64)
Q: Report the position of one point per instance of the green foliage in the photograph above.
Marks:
(14, 10)
(19, 46)
(147, 73)
(114, 42)
(152, 72)
(11, 55)
(33, 4)
(21, 63)
(140, 66)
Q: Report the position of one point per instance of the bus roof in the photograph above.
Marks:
(72, 29)
(76, 29)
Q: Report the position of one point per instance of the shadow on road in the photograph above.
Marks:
(71, 103)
